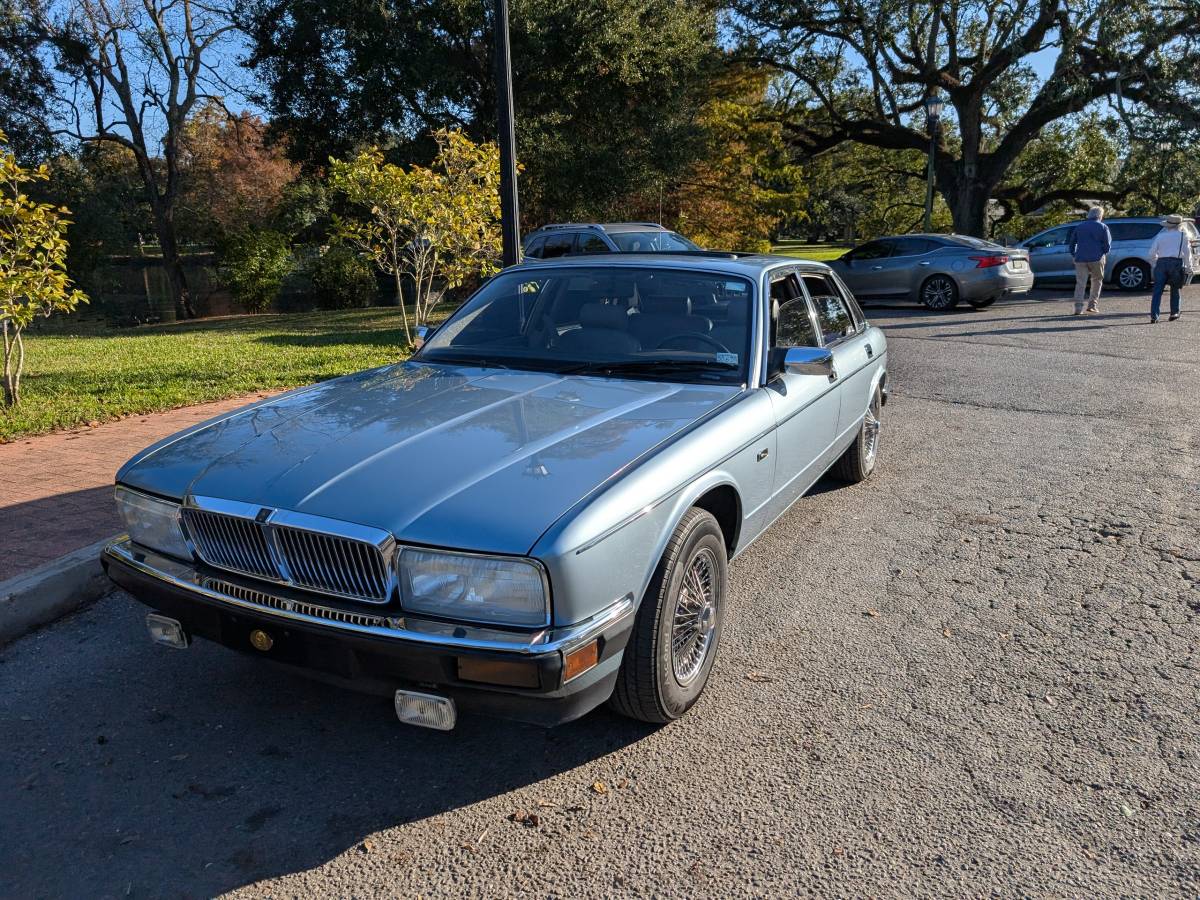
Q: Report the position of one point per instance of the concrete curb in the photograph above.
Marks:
(51, 591)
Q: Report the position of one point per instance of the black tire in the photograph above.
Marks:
(939, 293)
(1131, 275)
(648, 687)
(980, 304)
(860, 458)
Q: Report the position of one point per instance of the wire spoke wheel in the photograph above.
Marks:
(695, 616)
(871, 429)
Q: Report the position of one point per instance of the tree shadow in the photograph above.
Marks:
(206, 770)
(39, 531)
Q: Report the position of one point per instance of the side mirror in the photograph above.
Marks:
(419, 336)
(809, 361)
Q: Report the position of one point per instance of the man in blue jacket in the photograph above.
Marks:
(1090, 243)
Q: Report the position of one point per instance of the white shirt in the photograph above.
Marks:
(1170, 242)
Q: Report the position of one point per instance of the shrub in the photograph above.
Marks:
(342, 279)
(253, 265)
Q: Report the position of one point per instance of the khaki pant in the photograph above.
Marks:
(1084, 271)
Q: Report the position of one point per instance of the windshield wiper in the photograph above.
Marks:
(650, 367)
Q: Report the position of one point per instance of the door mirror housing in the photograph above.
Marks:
(809, 361)
(419, 336)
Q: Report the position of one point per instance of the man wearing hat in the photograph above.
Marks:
(1090, 243)
(1171, 257)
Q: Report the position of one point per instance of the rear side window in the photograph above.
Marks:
(913, 246)
(592, 243)
(558, 245)
(1052, 238)
(1134, 231)
(534, 250)
(832, 315)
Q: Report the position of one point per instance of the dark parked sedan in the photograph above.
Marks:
(936, 269)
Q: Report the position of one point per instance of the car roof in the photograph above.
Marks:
(610, 227)
(750, 265)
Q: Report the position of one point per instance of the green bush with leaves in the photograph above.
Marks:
(33, 264)
(253, 264)
(342, 279)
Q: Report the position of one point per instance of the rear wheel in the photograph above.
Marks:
(858, 462)
(1132, 275)
(678, 625)
(939, 293)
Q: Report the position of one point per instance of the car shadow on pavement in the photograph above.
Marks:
(129, 766)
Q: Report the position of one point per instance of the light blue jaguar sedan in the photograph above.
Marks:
(535, 513)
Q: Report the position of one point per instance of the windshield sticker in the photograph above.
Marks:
(731, 358)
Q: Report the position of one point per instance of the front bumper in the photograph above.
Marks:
(373, 651)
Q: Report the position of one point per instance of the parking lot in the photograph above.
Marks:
(974, 674)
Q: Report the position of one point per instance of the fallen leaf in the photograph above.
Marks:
(758, 677)
(520, 816)
(1127, 810)
(546, 804)
(873, 613)
(623, 783)
(367, 846)
(945, 632)
(600, 787)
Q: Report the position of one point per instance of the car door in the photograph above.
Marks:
(863, 267)
(897, 273)
(853, 354)
(1050, 253)
(806, 407)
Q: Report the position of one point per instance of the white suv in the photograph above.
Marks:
(1128, 265)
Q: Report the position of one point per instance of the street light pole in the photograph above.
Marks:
(933, 112)
(510, 216)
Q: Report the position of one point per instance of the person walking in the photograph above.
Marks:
(1171, 257)
(1090, 243)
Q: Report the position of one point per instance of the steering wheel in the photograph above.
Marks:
(692, 336)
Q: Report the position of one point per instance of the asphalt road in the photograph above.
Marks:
(973, 675)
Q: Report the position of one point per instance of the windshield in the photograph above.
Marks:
(611, 321)
(651, 242)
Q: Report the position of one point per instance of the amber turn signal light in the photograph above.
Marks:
(579, 661)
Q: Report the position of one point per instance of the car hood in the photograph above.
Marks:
(443, 455)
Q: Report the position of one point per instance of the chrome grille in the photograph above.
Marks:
(230, 542)
(336, 565)
(249, 595)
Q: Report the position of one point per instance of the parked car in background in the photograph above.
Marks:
(1128, 263)
(533, 514)
(551, 241)
(937, 270)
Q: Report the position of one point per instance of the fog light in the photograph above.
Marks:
(426, 710)
(579, 661)
(166, 631)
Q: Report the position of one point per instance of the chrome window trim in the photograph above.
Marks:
(406, 628)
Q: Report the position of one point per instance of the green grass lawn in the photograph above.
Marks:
(810, 251)
(95, 374)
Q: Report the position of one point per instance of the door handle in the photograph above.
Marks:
(870, 352)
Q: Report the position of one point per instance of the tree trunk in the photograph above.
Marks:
(967, 195)
(14, 362)
(399, 276)
(172, 264)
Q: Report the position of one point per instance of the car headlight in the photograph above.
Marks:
(487, 589)
(152, 522)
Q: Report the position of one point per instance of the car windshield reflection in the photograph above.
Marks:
(627, 322)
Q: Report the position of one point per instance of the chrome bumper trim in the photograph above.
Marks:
(182, 575)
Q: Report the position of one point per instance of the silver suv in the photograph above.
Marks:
(550, 241)
(1128, 265)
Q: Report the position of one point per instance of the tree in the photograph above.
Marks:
(232, 178)
(744, 185)
(254, 262)
(33, 264)
(607, 91)
(26, 88)
(426, 224)
(138, 70)
(859, 70)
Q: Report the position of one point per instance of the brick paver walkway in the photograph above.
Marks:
(58, 487)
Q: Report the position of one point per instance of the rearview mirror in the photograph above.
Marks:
(809, 361)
